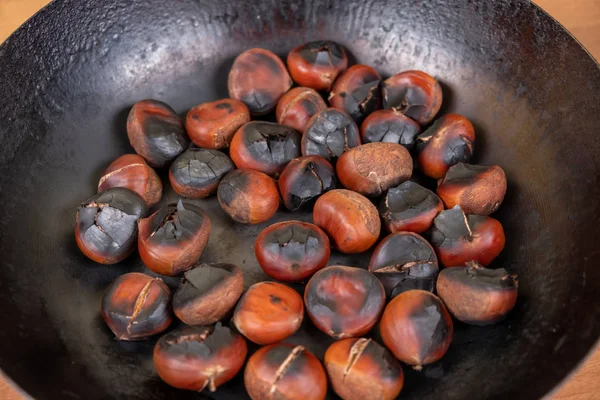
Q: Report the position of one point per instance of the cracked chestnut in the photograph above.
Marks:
(196, 173)
(212, 125)
(390, 126)
(330, 133)
(357, 92)
(317, 64)
(304, 179)
(297, 106)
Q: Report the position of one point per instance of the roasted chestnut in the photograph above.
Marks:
(284, 371)
(297, 106)
(317, 64)
(477, 189)
(197, 172)
(349, 218)
(478, 295)
(329, 133)
(212, 125)
(264, 146)
(458, 238)
(390, 126)
(304, 179)
(199, 357)
(447, 142)
(361, 369)
(207, 293)
(156, 132)
(373, 168)
(413, 93)
(106, 228)
(137, 306)
(417, 328)
(357, 92)
(409, 207)
(259, 79)
(173, 238)
(344, 301)
(248, 196)
(268, 312)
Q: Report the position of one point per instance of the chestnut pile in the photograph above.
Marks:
(350, 163)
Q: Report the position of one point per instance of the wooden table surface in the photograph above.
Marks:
(580, 17)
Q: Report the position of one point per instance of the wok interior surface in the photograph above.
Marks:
(70, 75)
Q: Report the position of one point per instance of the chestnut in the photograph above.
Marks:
(478, 295)
(106, 227)
(259, 79)
(284, 371)
(199, 357)
(349, 218)
(207, 293)
(197, 172)
(477, 189)
(409, 207)
(156, 132)
(212, 125)
(264, 146)
(248, 196)
(458, 238)
(304, 179)
(371, 169)
(137, 306)
(344, 301)
(415, 94)
(317, 64)
(268, 312)
(291, 251)
(173, 238)
(404, 261)
(417, 328)
(132, 172)
(361, 369)
(357, 92)
(329, 133)
(297, 106)
(446, 143)
(390, 126)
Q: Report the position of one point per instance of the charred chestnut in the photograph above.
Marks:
(212, 125)
(329, 133)
(390, 126)
(317, 64)
(304, 179)
(197, 172)
(297, 106)
(357, 92)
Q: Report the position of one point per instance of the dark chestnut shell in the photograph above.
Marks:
(304, 179)
(197, 172)
(329, 134)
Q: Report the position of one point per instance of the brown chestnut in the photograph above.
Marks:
(361, 369)
(390, 126)
(137, 306)
(373, 168)
(447, 142)
(173, 238)
(284, 371)
(248, 196)
(304, 179)
(197, 172)
(478, 295)
(291, 251)
(297, 106)
(212, 125)
(317, 64)
(417, 328)
(344, 301)
(207, 293)
(413, 93)
(259, 79)
(199, 357)
(156, 132)
(329, 133)
(357, 92)
(349, 218)
(477, 189)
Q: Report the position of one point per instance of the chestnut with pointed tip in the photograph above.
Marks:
(296, 107)
(304, 179)
(212, 125)
(390, 126)
(196, 173)
(330, 133)
(317, 64)
(357, 92)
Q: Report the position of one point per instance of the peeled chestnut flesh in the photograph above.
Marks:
(330, 133)
(390, 126)
(317, 64)
(357, 92)
(304, 179)
(196, 173)
(212, 125)
(298, 106)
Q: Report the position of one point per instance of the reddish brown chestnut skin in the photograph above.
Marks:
(390, 126)
(317, 64)
(362, 369)
(297, 106)
(478, 295)
(207, 293)
(330, 133)
(156, 132)
(447, 142)
(259, 79)
(248, 196)
(373, 168)
(212, 125)
(357, 92)
(172, 239)
(477, 189)
(417, 328)
(415, 94)
(344, 301)
(349, 218)
(199, 357)
(458, 238)
(304, 179)
(285, 372)
(196, 173)
(137, 306)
